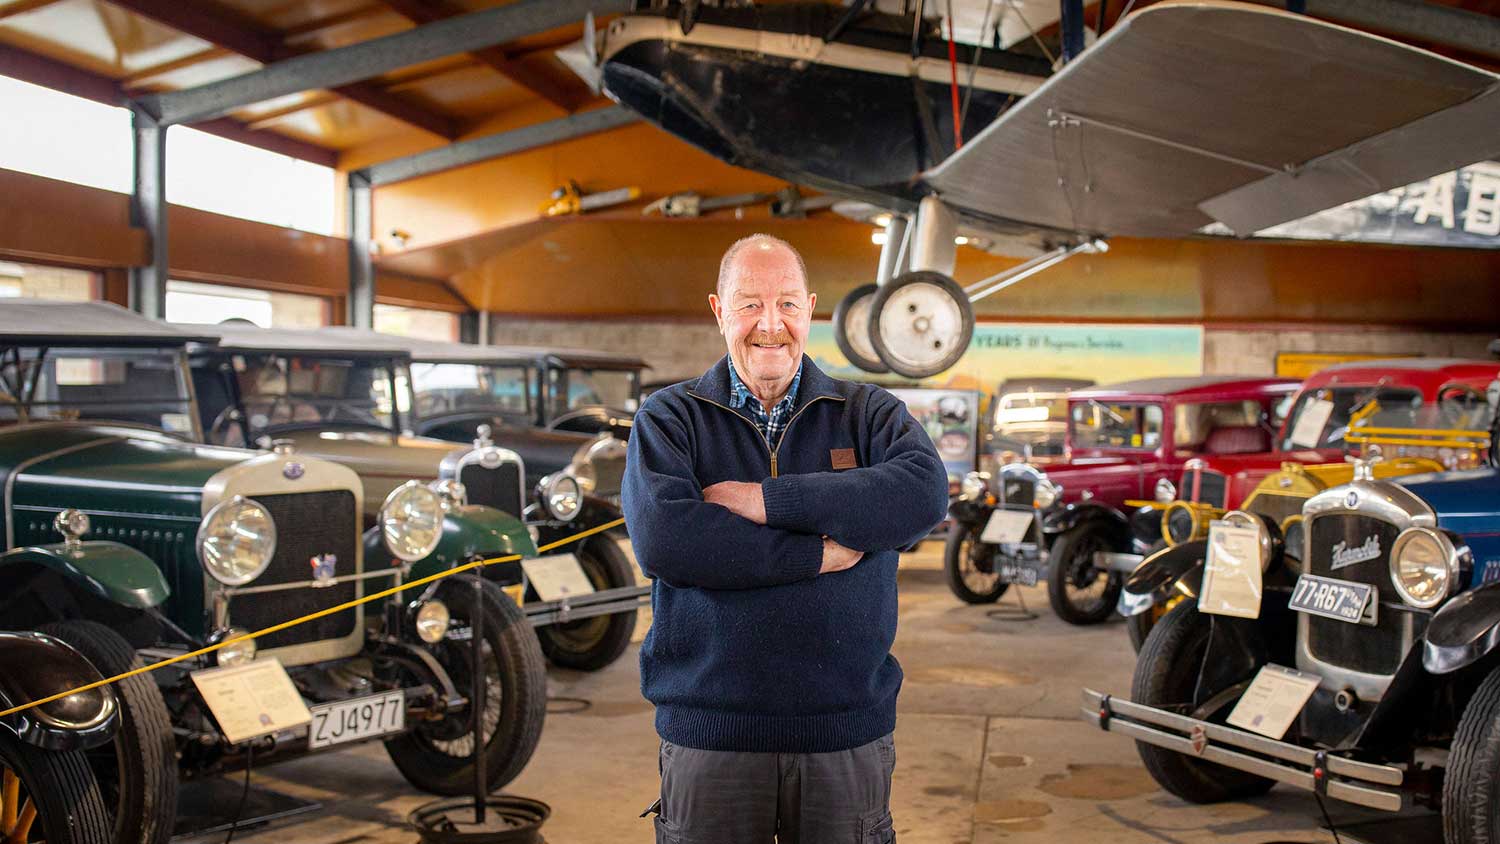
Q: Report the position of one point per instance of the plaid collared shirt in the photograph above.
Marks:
(771, 424)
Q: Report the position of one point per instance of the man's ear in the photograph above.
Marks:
(718, 308)
(812, 304)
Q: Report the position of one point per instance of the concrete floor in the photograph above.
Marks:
(989, 747)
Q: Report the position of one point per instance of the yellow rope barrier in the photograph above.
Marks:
(276, 628)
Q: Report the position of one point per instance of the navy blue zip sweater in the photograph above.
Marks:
(750, 649)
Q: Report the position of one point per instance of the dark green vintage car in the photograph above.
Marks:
(191, 544)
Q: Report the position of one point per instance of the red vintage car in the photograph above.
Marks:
(1314, 429)
(1122, 440)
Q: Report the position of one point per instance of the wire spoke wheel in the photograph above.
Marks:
(49, 796)
(1080, 592)
(970, 566)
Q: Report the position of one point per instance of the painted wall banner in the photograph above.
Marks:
(1303, 364)
(951, 419)
(1101, 353)
(1459, 208)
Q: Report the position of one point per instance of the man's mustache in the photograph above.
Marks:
(780, 338)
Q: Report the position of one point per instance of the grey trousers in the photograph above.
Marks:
(718, 797)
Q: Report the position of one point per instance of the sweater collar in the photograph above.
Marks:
(715, 387)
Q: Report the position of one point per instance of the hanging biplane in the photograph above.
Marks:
(1183, 114)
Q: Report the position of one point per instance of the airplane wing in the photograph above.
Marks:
(1191, 112)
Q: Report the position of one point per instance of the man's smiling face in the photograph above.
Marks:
(764, 316)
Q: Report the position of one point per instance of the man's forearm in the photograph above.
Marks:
(873, 509)
(693, 544)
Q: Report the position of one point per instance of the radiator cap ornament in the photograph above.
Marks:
(1351, 500)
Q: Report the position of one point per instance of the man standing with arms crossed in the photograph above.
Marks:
(767, 502)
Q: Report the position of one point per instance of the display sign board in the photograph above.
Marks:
(951, 419)
(251, 700)
(1231, 572)
(1303, 364)
(557, 576)
(1273, 700)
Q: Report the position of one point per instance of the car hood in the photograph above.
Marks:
(94, 467)
(1466, 502)
(378, 452)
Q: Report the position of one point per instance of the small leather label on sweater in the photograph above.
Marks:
(842, 458)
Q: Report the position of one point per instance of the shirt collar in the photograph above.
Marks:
(739, 394)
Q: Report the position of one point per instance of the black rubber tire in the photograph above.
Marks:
(593, 643)
(840, 334)
(1167, 674)
(956, 351)
(1085, 538)
(1139, 626)
(1471, 785)
(69, 807)
(955, 548)
(519, 677)
(137, 773)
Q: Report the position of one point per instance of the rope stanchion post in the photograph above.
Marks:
(477, 702)
(313, 616)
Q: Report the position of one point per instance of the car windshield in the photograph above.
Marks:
(278, 391)
(617, 388)
(449, 388)
(1320, 417)
(1116, 425)
(141, 386)
(1029, 411)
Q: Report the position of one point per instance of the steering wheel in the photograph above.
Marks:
(218, 431)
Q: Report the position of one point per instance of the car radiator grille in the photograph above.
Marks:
(1278, 507)
(1020, 491)
(308, 524)
(1358, 647)
(499, 487)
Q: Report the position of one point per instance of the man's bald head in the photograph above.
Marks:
(765, 242)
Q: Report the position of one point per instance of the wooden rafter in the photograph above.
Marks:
(427, 11)
(50, 73)
(219, 26)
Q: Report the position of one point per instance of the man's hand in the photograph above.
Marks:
(740, 498)
(837, 558)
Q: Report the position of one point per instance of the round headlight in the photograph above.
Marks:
(411, 521)
(432, 621)
(562, 496)
(1240, 518)
(1166, 492)
(1423, 566)
(1178, 523)
(237, 653)
(971, 487)
(1046, 493)
(236, 541)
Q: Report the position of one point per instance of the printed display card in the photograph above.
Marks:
(557, 576)
(1231, 574)
(1308, 432)
(1007, 527)
(1273, 700)
(251, 700)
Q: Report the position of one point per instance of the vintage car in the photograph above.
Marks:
(1379, 637)
(1122, 440)
(345, 395)
(198, 544)
(1314, 432)
(1027, 418)
(50, 791)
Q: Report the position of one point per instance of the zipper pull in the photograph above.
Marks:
(773, 464)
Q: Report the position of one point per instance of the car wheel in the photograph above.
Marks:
(48, 795)
(851, 329)
(590, 644)
(968, 563)
(1471, 785)
(921, 323)
(1175, 667)
(436, 756)
(137, 772)
(1080, 593)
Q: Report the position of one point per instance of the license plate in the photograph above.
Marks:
(1339, 600)
(1007, 527)
(360, 718)
(1011, 573)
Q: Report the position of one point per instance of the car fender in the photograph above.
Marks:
(33, 667)
(472, 531)
(1079, 512)
(968, 511)
(1464, 631)
(117, 573)
(1177, 570)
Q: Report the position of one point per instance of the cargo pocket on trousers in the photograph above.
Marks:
(876, 828)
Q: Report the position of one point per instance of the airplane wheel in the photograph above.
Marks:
(921, 323)
(851, 329)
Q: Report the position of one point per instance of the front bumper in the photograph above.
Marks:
(1344, 779)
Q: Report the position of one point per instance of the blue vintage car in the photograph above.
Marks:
(1393, 610)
